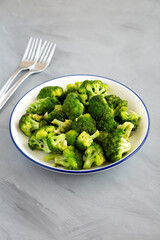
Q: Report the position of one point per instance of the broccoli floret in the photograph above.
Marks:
(123, 115)
(93, 156)
(71, 158)
(71, 137)
(30, 122)
(56, 113)
(43, 105)
(116, 144)
(127, 128)
(72, 107)
(38, 140)
(84, 140)
(84, 123)
(99, 110)
(101, 137)
(50, 91)
(56, 142)
(115, 102)
(73, 87)
(88, 89)
(62, 126)
(98, 106)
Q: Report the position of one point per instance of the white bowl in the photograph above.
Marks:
(134, 103)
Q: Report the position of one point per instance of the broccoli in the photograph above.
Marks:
(88, 89)
(84, 123)
(84, 140)
(73, 87)
(123, 115)
(115, 102)
(56, 142)
(98, 106)
(99, 110)
(50, 91)
(38, 140)
(101, 137)
(70, 158)
(30, 122)
(71, 137)
(127, 128)
(93, 155)
(43, 105)
(116, 144)
(72, 107)
(62, 126)
(56, 113)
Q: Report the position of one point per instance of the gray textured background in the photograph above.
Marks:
(119, 39)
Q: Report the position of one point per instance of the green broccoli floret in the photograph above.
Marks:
(50, 91)
(73, 87)
(30, 122)
(62, 126)
(116, 144)
(84, 140)
(71, 158)
(84, 123)
(38, 140)
(71, 137)
(72, 107)
(99, 110)
(101, 137)
(127, 128)
(43, 105)
(98, 106)
(56, 142)
(56, 113)
(114, 102)
(93, 156)
(123, 115)
(88, 89)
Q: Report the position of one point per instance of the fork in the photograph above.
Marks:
(29, 58)
(42, 63)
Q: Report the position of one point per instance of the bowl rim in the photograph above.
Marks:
(87, 170)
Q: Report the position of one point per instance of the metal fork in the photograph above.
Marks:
(42, 63)
(29, 58)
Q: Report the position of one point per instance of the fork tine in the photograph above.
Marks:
(27, 49)
(31, 49)
(51, 53)
(44, 49)
(34, 49)
(38, 50)
(47, 52)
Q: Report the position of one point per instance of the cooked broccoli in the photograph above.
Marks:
(99, 110)
(38, 140)
(123, 115)
(71, 158)
(116, 144)
(72, 107)
(101, 137)
(84, 123)
(93, 156)
(98, 106)
(114, 102)
(56, 142)
(71, 137)
(88, 89)
(50, 91)
(62, 126)
(56, 113)
(73, 87)
(127, 128)
(30, 122)
(43, 105)
(84, 140)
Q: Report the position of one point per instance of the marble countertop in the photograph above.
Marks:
(115, 39)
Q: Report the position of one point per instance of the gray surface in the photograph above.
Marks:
(116, 39)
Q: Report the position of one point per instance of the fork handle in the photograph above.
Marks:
(8, 83)
(10, 92)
